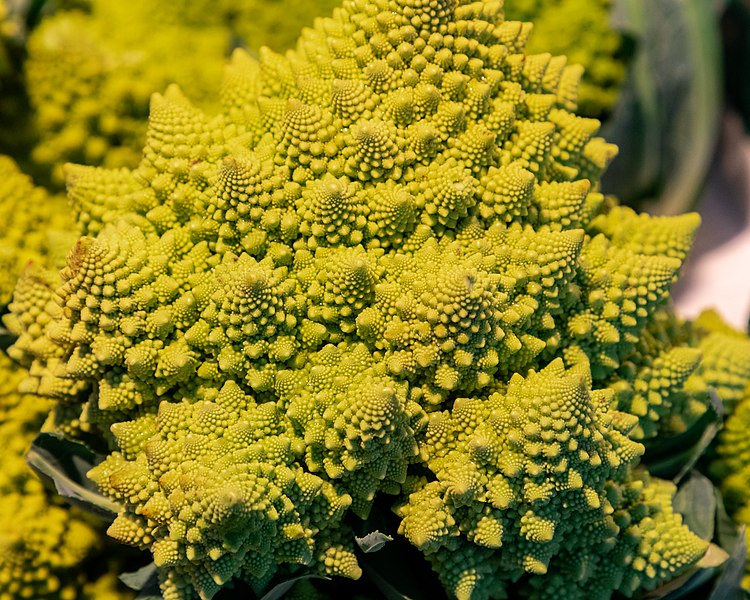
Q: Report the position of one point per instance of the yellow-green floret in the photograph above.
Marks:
(384, 267)
(650, 546)
(582, 30)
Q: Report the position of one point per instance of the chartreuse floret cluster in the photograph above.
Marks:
(651, 545)
(43, 545)
(384, 267)
(509, 473)
(581, 30)
(34, 226)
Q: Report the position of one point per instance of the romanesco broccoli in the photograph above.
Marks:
(731, 468)
(666, 382)
(385, 267)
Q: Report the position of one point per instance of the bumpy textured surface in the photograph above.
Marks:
(34, 226)
(726, 362)
(43, 545)
(582, 31)
(384, 268)
(651, 545)
(539, 478)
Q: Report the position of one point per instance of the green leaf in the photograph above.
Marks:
(696, 502)
(64, 463)
(145, 581)
(373, 542)
(635, 123)
(727, 531)
(666, 120)
(278, 591)
(729, 584)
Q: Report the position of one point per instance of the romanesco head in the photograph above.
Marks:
(731, 467)
(34, 226)
(647, 545)
(676, 365)
(44, 547)
(384, 267)
(89, 77)
(91, 68)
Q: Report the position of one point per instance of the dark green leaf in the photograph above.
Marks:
(64, 463)
(278, 591)
(373, 542)
(635, 124)
(389, 592)
(696, 502)
(729, 584)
